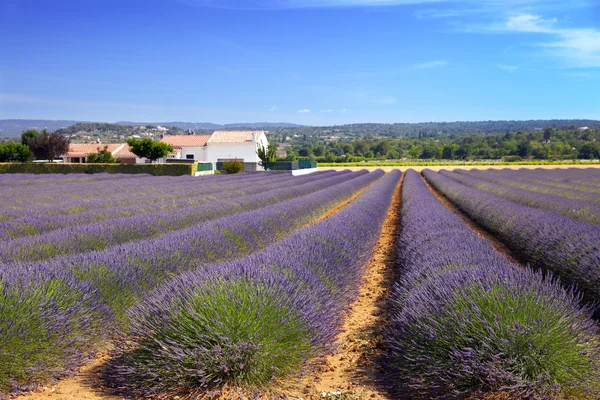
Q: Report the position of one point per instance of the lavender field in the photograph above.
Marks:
(242, 280)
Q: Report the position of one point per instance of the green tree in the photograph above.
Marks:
(548, 132)
(148, 148)
(102, 157)
(10, 152)
(589, 151)
(415, 151)
(267, 155)
(28, 135)
(49, 146)
(449, 151)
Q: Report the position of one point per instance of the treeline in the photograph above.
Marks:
(432, 129)
(549, 143)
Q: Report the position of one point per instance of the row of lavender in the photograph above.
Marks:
(73, 238)
(579, 209)
(554, 182)
(544, 239)
(250, 321)
(53, 313)
(580, 179)
(106, 194)
(466, 321)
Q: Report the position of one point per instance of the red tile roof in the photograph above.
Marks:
(234, 136)
(83, 149)
(124, 152)
(185, 140)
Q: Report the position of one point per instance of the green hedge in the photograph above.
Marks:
(59, 168)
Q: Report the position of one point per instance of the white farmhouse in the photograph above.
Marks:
(241, 145)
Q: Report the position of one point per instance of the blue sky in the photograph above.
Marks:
(316, 62)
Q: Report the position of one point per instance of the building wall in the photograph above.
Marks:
(228, 151)
(199, 153)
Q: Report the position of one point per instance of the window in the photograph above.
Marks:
(189, 156)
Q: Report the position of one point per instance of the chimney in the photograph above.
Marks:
(253, 137)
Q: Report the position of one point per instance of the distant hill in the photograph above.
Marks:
(178, 124)
(210, 125)
(12, 128)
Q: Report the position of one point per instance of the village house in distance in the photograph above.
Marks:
(219, 147)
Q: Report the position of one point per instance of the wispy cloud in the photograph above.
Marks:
(387, 100)
(303, 111)
(578, 47)
(328, 110)
(291, 4)
(430, 64)
(508, 68)
(273, 109)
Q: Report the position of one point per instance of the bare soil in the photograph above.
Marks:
(86, 384)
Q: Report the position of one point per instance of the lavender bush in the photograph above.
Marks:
(466, 321)
(75, 212)
(49, 324)
(65, 199)
(249, 321)
(540, 182)
(581, 210)
(544, 239)
(53, 313)
(125, 273)
(102, 234)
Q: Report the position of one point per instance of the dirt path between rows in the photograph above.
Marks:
(351, 371)
(479, 230)
(87, 383)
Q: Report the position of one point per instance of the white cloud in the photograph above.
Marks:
(327, 110)
(273, 109)
(529, 23)
(345, 110)
(430, 64)
(578, 47)
(508, 68)
(304, 111)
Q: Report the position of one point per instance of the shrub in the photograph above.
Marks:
(208, 331)
(49, 325)
(233, 166)
(102, 157)
(469, 330)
